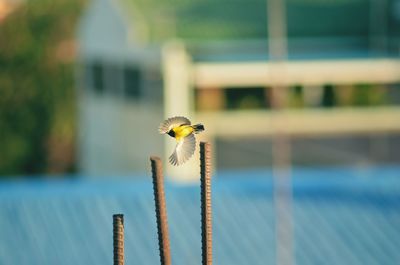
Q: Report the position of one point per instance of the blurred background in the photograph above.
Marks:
(300, 100)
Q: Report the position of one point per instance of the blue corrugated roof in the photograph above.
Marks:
(340, 216)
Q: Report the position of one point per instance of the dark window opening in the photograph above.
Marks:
(329, 96)
(98, 74)
(114, 79)
(246, 98)
(132, 77)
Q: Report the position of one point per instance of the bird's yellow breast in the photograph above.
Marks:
(182, 131)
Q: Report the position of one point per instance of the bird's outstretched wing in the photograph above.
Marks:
(183, 150)
(166, 125)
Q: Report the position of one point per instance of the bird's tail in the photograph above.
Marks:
(198, 128)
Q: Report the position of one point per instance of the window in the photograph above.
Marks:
(98, 78)
(328, 96)
(132, 78)
(246, 98)
(113, 79)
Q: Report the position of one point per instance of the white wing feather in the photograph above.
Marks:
(166, 125)
(183, 150)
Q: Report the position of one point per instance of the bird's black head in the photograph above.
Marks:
(171, 133)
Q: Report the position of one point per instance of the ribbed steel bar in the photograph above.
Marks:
(118, 239)
(161, 211)
(205, 186)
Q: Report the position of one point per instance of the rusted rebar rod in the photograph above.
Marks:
(118, 239)
(205, 186)
(161, 211)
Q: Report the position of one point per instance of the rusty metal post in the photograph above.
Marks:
(161, 211)
(118, 236)
(205, 186)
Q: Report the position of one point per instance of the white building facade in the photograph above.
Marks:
(128, 85)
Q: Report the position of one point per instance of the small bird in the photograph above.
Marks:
(181, 129)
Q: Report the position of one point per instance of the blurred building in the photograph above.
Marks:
(340, 78)
(120, 102)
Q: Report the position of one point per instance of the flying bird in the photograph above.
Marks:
(181, 129)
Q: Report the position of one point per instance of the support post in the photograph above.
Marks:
(161, 211)
(178, 101)
(205, 186)
(277, 40)
(118, 239)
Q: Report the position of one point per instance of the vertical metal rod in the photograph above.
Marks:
(118, 238)
(206, 220)
(161, 210)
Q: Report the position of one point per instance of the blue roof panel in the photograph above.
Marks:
(340, 216)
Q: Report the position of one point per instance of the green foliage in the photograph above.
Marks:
(369, 95)
(245, 98)
(36, 87)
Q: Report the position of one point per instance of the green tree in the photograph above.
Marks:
(37, 88)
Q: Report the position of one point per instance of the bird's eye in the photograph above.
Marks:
(171, 133)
